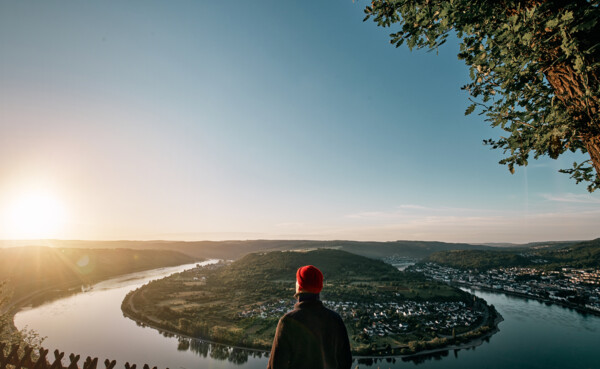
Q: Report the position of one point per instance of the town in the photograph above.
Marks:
(392, 318)
(578, 288)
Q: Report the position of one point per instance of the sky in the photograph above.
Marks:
(195, 120)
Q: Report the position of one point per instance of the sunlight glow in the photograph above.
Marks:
(35, 215)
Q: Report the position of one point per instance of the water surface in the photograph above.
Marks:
(532, 335)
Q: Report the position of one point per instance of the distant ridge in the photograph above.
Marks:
(540, 244)
(237, 249)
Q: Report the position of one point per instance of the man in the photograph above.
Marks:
(310, 336)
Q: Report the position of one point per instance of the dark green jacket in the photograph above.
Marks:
(312, 337)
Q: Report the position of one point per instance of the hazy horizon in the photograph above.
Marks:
(56, 242)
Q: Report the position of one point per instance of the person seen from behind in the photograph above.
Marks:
(310, 336)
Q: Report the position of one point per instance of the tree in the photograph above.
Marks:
(534, 68)
(8, 333)
(4, 314)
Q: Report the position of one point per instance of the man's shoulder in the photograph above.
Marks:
(333, 313)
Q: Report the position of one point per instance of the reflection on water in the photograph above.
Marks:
(217, 351)
(240, 356)
(542, 313)
(392, 361)
(415, 360)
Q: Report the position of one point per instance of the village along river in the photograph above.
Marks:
(532, 335)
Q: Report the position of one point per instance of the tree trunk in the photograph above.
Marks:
(592, 144)
(569, 87)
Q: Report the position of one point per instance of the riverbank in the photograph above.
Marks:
(565, 304)
(467, 345)
(130, 313)
(35, 298)
(51, 293)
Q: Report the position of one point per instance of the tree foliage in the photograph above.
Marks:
(534, 68)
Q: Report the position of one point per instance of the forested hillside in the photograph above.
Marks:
(28, 269)
(580, 255)
(335, 265)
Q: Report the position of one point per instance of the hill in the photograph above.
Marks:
(231, 250)
(581, 255)
(584, 254)
(240, 303)
(532, 245)
(336, 265)
(29, 269)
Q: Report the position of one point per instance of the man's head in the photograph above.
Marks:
(309, 279)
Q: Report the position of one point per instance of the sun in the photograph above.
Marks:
(35, 215)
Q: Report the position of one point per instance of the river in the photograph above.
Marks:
(532, 335)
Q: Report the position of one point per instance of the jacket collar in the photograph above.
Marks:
(306, 296)
(308, 304)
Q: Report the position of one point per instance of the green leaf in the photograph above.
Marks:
(552, 23)
(567, 16)
(470, 109)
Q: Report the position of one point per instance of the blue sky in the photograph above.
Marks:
(243, 120)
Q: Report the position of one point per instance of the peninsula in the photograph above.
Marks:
(387, 312)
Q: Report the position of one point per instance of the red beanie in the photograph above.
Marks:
(310, 279)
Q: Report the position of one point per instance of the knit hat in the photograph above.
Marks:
(309, 279)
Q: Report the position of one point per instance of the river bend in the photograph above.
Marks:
(532, 335)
